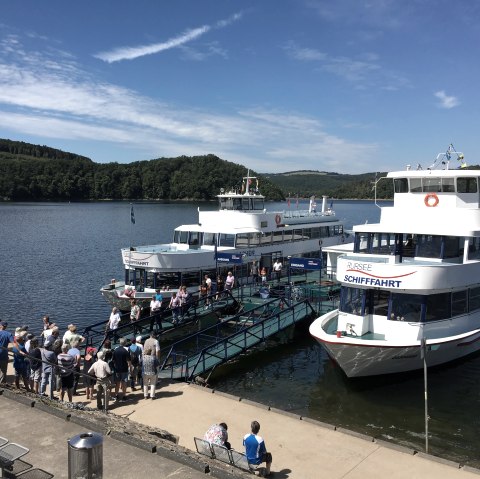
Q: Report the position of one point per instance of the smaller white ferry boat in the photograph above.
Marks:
(412, 281)
(231, 238)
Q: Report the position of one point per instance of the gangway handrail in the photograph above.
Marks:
(187, 371)
(154, 321)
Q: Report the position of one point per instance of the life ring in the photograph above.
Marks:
(278, 219)
(431, 200)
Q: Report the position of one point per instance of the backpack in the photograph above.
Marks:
(135, 355)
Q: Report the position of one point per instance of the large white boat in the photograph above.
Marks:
(411, 283)
(231, 238)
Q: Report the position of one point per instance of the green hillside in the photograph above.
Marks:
(39, 173)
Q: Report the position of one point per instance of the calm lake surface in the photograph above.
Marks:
(54, 258)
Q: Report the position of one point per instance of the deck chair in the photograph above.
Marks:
(203, 447)
(221, 453)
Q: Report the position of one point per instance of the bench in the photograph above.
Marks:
(221, 453)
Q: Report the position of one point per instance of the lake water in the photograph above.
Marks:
(54, 258)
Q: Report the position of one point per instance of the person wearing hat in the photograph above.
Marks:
(102, 372)
(20, 360)
(5, 339)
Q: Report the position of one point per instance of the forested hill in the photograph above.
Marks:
(39, 173)
(336, 185)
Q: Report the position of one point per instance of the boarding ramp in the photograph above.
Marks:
(232, 336)
(197, 313)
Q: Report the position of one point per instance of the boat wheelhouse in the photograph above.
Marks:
(241, 228)
(412, 281)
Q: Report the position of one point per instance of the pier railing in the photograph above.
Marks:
(210, 347)
(163, 322)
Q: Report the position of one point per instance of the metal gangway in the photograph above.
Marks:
(198, 311)
(234, 335)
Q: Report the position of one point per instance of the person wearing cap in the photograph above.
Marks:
(20, 360)
(102, 372)
(5, 339)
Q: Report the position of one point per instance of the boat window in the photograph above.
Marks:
(242, 240)
(315, 233)
(191, 278)
(337, 230)
(180, 237)
(237, 203)
(253, 239)
(297, 235)
(194, 238)
(377, 302)
(415, 185)
(352, 300)
(226, 240)
(263, 224)
(267, 237)
(438, 307)
(362, 243)
(473, 248)
(288, 235)
(168, 281)
(459, 303)
(150, 279)
(307, 233)
(452, 247)
(400, 185)
(209, 239)
(258, 204)
(409, 246)
(474, 299)
(467, 185)
(226, 203)
(245, 203)
(448, 185)
(406, 307)
(324, 232)
(429, 246)
(432, 185)
(278, 236)
(383, 243)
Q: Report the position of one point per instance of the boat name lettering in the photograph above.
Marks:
(359, 266)
(385, 283)
(405, 356)
(136, 263)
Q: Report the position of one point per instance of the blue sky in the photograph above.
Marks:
(349, 86)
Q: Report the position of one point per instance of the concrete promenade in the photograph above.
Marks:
(302, 449)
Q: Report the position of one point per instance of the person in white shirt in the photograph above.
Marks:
(114, 320)
(277, 269)
(155, 305)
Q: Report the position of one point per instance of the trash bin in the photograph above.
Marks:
(85, 456)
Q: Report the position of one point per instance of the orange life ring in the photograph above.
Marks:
(428, 200)
(278, 219)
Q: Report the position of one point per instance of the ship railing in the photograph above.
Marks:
(205, 350)
(304, 213)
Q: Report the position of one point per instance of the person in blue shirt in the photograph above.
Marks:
(255, 448)
(19, 360)
(5, 339)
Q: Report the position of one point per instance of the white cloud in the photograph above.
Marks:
(131, 53)
(365, 71)
(51, 96)
(446, 101)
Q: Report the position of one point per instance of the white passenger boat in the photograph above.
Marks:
(230, 239)
(411, 283)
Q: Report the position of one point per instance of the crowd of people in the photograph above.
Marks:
(55, 363)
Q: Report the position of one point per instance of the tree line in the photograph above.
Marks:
(40, 173)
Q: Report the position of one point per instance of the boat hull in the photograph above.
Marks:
(360, 358)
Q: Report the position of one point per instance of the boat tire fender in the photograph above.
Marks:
(431, 200)
(278, 219)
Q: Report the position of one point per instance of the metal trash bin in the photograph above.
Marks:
(85, 456)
